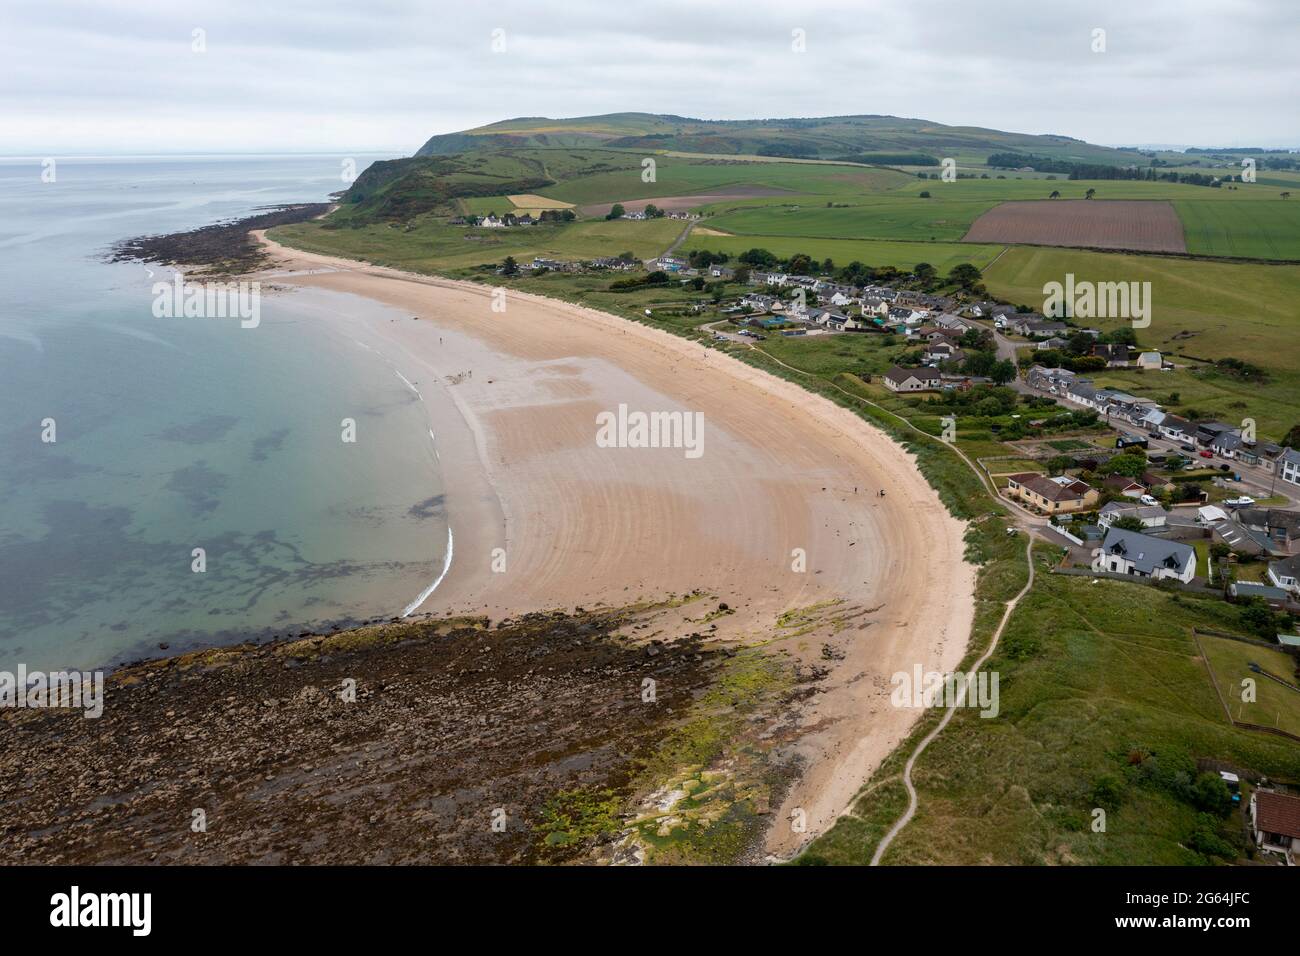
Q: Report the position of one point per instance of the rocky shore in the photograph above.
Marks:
(445, 741)
(224, 248)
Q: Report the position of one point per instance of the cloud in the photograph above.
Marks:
(125, 76)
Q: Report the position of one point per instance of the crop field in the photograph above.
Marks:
(887, 218)
(1097, 224)
(1261, 230)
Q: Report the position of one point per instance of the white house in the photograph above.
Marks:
(1145, 556)
(1288, 465)
(899, 379)
(1285, 574)
(1151, 516)
(1150, 360)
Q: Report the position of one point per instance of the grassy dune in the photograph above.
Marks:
(1104, 703)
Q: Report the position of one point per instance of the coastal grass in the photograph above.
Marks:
(1104, 702)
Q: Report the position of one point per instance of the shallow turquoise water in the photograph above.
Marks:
(176, 434)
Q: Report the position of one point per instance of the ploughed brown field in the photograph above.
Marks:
(1141, 225)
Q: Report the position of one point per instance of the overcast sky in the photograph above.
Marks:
(118, 76)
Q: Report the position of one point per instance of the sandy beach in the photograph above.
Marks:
(545, 518)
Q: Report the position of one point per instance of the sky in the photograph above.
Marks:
(140, 76)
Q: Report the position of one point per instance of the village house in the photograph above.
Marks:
(1120, 485)
(876, 307)
(1285, 573)
(1052, 495)
(1288, 466)
(1262, 453)
(1206, 432)
(1041, 329)
(668, 264)
(1150, 360)
(1151, 516)
(1275, 823)
(1054, 381)
(944, 352)
(1145, 556)
(899, 379)
(1178, 429)
(1279, 529)
(1152, 420)
(1116, 356)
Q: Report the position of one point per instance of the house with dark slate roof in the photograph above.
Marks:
(1146, 556)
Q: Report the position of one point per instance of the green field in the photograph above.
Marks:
(681, 177)
(1274, 705)
(885, 218)
(1261, 230)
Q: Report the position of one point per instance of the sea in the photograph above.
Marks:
(168, 483)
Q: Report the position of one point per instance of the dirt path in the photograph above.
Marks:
(952, 709)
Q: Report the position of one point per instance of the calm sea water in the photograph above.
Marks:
(176, 434)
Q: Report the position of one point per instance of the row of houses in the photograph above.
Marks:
(1227, 441)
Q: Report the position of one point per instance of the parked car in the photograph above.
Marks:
(1148, 500)
(1207, 454)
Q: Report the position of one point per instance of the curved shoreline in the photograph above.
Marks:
(785, 469)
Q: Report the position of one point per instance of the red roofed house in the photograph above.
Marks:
(1275, 819)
